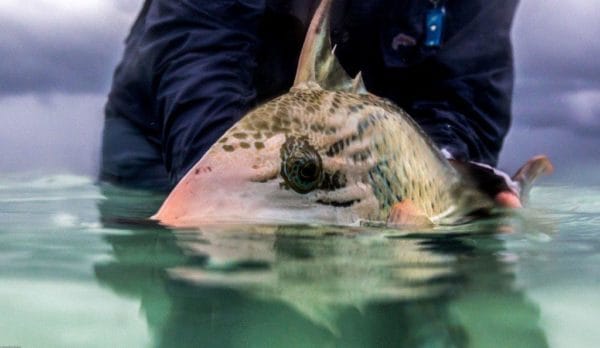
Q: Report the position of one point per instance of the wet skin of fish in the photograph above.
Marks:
(329, 152)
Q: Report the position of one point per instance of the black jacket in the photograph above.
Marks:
(192, 68)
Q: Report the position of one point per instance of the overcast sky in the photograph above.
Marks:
(58, 57)
(556, 105)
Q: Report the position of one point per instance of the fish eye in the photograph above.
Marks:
(301, 165)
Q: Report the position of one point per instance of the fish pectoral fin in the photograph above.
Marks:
(407, 214)
(492, 182)
(506, 192)
(530, 171)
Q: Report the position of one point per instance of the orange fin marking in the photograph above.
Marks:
(407, 214)
(508, 199)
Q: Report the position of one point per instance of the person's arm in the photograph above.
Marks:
(202, 60)
(466, 105)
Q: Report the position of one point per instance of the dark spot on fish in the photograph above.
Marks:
(340, 145)
(339, 204)
(387, 181)
(333, 181)
(240, 135)
(351, 139)
(362, 127)
(228, 148)
(244, 145)
(335, 149)
(336, 100)
(259, 146)
(223, 140)
(262, 125)
(257, 135)
(361, 156)
(316, 127)
(277, 128)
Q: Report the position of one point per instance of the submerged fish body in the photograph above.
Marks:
(326, 152)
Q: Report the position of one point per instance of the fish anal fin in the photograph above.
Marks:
(407, 214)
(530, 171)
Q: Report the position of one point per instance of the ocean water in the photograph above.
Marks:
(80, 266)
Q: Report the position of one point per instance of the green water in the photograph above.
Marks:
(80, 267)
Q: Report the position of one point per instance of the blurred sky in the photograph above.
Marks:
(58, 57)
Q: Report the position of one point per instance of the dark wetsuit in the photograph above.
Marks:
(192, 68)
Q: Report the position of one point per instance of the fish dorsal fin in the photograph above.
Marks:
(318, 66)
(358, 85)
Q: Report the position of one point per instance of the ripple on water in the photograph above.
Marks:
(486, 281)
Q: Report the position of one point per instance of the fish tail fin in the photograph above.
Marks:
(530, 171)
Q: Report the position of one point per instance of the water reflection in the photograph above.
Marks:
(305, 286)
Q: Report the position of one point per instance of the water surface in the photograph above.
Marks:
(81, 266)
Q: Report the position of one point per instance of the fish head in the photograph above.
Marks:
(302, 157)
(326, 152)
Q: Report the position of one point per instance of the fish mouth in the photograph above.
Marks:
(243, 202)
(249, 187)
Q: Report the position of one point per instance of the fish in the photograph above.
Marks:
(329, 152)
